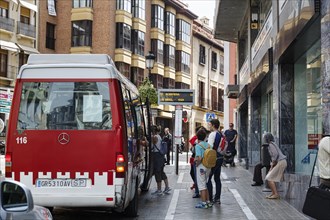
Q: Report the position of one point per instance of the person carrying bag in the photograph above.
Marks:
(317, 202)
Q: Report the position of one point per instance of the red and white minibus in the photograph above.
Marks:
(74, 133)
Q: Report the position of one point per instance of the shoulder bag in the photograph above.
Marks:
(317, 202)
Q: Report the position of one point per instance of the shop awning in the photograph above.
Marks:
(6, 45)
(27, 50)
(29, 5)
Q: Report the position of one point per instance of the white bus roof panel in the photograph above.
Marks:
(72, 66)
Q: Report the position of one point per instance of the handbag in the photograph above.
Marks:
(317, 201)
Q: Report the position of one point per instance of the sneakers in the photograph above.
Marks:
(196, 195)
(167, 190)
(157, 192)
(216, 201)
(202, 205)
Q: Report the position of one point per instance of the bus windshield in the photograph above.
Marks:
(65, 106)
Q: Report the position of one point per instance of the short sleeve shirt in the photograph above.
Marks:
(199, 149)
(230, 134)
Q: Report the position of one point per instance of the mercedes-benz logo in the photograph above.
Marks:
(63, 138)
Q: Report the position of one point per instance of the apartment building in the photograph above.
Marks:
(18, 39)
(207, 75)
(282, 79)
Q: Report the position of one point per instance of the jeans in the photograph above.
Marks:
(216, 172)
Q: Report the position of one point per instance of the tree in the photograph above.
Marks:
(146, 89)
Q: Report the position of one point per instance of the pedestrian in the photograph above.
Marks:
(158, 162)
(214, 141)
(277, 166)
(193, 141)
(323, 157)
(168, 139)
(231, 136)
(202, 173)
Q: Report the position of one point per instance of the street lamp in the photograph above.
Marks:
(150, 61)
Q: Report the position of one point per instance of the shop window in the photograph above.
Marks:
(50, 36)
(138, 8)
(82, 3)
(82, 33)
(123, 36)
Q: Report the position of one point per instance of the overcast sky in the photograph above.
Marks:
(202, 8)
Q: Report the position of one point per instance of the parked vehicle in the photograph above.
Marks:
(17, 203)
(74, 133)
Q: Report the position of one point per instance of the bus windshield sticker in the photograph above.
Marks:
(92, 108)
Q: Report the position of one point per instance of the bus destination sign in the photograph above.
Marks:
(176, 96)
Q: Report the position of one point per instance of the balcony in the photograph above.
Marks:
(7, 24)
(26, 30)
(232, 91)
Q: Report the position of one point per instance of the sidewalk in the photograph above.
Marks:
(239, 200)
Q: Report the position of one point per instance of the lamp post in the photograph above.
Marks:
(150, 61)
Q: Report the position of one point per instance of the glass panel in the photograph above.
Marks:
(307, 104)
(65, 105)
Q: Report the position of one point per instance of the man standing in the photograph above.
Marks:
(231, 135)
(168, 139)
(214, 141)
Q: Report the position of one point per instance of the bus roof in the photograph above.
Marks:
(38, 62)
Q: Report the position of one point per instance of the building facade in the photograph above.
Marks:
(126, 30)
(207, 75)
(18, 39)
(282, 80)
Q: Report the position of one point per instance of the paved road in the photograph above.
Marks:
(239, 201)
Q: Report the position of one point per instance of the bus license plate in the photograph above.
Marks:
(61, 183)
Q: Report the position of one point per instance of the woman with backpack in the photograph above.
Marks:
(158, 162)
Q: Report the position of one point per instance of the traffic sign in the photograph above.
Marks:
(209, 116)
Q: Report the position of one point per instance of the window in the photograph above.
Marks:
(82, 33)
(169, 58)
(4, 9)
(124, 69)
(201, 93)
(169, 83)
(3, 63)
(169, 23)
(138, 42)
(138, 8)
(65, 106)
(181, 85)
(214, 61)
(221, 64)
(137, 76)
(157, 47)
(124, 5)
(22, 59)
(123, 36)
(50, 36)
(157, 17)
(25, 15)
(182, 62)
(82, 3)
(214, 98)
(220, 100)
(201, 54)
(157, 80)
(183, 30)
